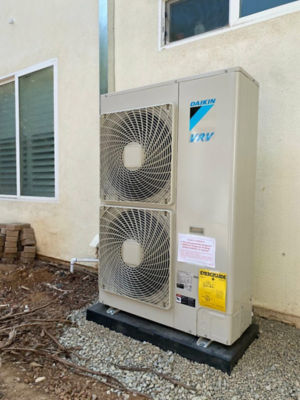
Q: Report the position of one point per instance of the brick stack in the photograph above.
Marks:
(17, 241)
(11, 242)
(28, 244)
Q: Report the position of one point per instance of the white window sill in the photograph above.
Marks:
(29, 199)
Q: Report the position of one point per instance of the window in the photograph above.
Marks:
(254, 6)
(8, 180)
(27, 134)
(192, 17)
(183, 19)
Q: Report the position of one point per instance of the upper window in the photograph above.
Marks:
(27, 135)
(183, 19)
(248, 7)
(187, 18)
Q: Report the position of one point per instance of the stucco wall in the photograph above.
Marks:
(270, 52)
(66, 30)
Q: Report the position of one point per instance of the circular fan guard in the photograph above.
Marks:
(152, 129)
(148, 282)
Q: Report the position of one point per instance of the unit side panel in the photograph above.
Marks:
(205, 173)
(244, 197)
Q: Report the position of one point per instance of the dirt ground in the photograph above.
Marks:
(12, 386)
(35, 302)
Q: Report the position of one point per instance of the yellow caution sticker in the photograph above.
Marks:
(212, 289)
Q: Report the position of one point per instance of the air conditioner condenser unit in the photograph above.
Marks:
(177, 202)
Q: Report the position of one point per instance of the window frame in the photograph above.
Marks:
(235, 22)
(14, 77)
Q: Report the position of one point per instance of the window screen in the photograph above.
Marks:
(187, 18)
(253, 6)
(8, 182)
(36, 113)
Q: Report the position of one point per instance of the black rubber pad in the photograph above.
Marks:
(216, 355)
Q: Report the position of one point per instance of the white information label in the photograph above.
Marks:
(185, 279)
(199, 250)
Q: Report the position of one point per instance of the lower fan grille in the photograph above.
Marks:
(135, 254)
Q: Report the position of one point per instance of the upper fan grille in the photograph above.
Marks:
(150, 180)
(149, 281)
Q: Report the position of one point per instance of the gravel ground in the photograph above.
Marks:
(270, 369)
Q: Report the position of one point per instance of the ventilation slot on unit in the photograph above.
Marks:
(135, 254)
(136, 155)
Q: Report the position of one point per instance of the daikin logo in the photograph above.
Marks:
(198, 110)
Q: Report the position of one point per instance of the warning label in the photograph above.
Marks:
(199, 250)
(212, 289)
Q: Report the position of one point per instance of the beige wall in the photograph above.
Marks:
(66, 30)
(270, 52)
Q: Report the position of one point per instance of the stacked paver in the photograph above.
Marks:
(17, 242)
(28, 245)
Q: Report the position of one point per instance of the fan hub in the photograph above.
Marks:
(132, 253)
(133, 156)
